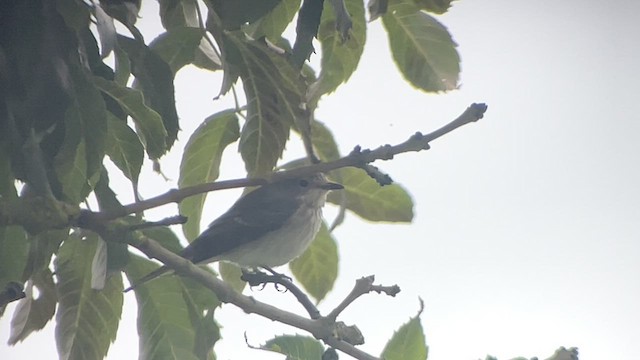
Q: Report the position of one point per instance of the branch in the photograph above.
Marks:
(357, 158)
(320, 328)
(363, 286)
(258, 278)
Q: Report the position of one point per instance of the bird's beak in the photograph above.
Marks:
(331, 186)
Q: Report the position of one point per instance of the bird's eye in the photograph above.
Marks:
(304, 183)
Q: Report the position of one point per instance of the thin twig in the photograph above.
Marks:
(357, 158)
(363, 286)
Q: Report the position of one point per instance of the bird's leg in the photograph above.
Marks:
(277, 274)
(256, 277)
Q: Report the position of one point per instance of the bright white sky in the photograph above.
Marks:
(527, 228)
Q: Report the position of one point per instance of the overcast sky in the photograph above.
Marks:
(527, 228)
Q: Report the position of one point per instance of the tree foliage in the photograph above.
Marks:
(64, 108)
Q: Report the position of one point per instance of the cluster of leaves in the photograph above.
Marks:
(63, 110)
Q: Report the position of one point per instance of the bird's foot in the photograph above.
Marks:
(259, 278)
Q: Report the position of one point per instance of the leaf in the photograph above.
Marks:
(148, 122)
(407, 343)
(177, 46)
(164, 326)
(317, 268)
(7, 181)
(155, 79)
(324, 142)
(33, 314)
(81, 155)
(232, 275)
(306, 29)
(75, 15)
(273, 24)
(178, 13)
(371, 201)
(124, 148)
(86, 320)
(106, 30)
(339, 58)
(274, 94)
(235, 13)
(14, 249)
(99, 266)
(206, 57)
(106, 198)
(422, 48)
(377, 8)
(72, 173)
(41, 248)
(123, 66)
(295, 347)
(434, 6)
(201, 162)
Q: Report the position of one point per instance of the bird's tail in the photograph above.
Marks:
(150, 276)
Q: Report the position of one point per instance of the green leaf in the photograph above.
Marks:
(7, 181)
(324, 142)
(148, 122)
(164, 326)
(32, 314)
(274, 94)
(422, 48)
(273, 24)
(235, 13)
(72, 172)
(76, 15)
(14, 249)
(407, 343)
(85, 126)
(339, 59)
(42, 246)
(317, 268)
(124, 148)
(201, 162)
(372, 201)
(434, 6)
(123, 66)
(155, 79)
(295, 347)
(178, 13)
(86, 320)
(231, 274)
(177, 46)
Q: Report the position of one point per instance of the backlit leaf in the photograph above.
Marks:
(124, 148)
(86, 319)
(407, 343)
(317, 268)
(422, 48)
(371, 201)
(201, 162)
(148, 122)
(339, 59)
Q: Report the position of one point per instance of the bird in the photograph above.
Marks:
(266, 228)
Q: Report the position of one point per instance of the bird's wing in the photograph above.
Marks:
(246, 221)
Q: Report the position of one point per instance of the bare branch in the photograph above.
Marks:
(363, 286)
(357, 158)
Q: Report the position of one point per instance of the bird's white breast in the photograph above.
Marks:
(281, 246)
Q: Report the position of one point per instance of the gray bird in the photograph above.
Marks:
(267, 227)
